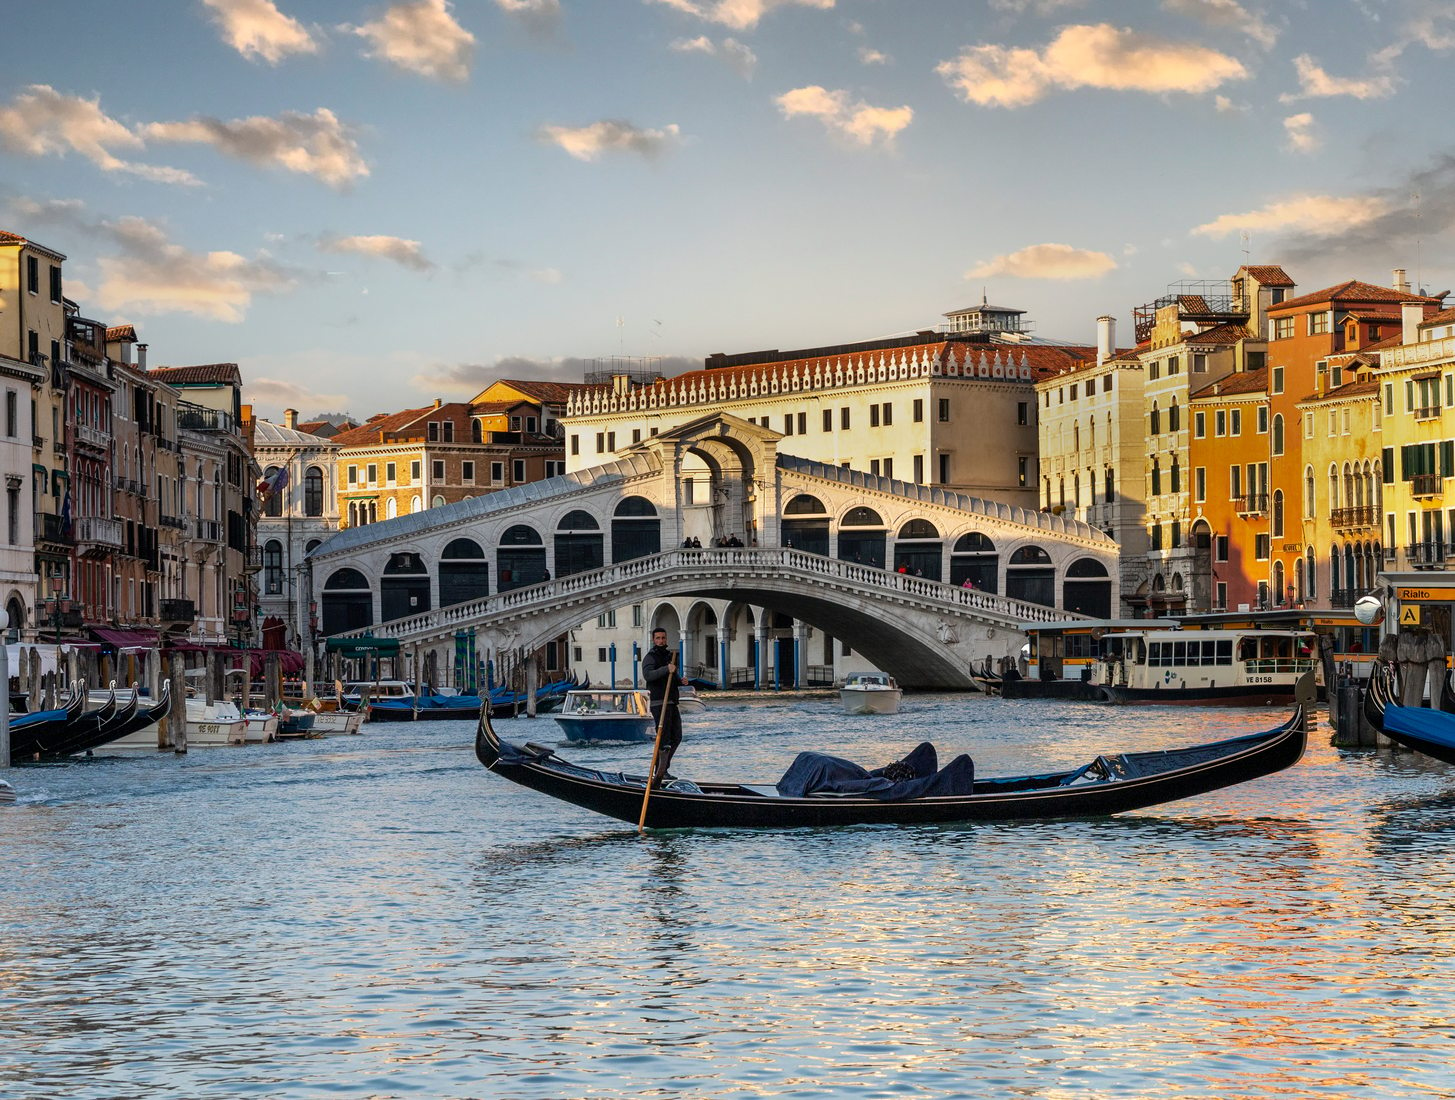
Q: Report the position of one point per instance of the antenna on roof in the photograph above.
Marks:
(1247, 238)
(1415, 196)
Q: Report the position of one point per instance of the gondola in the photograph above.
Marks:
(87, 735)
(1106, 785)
(30, 733)
(137, 717)
(1423, 729)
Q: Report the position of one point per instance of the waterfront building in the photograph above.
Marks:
(18, 596)
(1093, 445)
(97, 533)
(1304, 334)
(298, 512)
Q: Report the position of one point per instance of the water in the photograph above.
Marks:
(378, 916)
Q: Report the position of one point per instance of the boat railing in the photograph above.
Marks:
(1266, 666)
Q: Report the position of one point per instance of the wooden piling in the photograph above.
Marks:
(177, 718)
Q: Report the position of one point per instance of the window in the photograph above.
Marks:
(828, 420)
(919, 410)
(575, 444)
(636, 435)
(32, 274)
(449, 426)
(1199, 363)
(1155, 421)
(944, 469)
(554, 467)
(1261, 546)
(437, 469)
(312, 492)
(531, 424)
(1023, 470)
(844, 420)
(389, 473)
(414, 467)
(1022, 413)
(944, 413)
(497, 473)
(1318, 323)
(1282, 328)
(353, 475)
(1199, 484)
(517, 471)
(1174, 365)
(1106, 384)
(432, 432)
(515, 423)
(1156, 476)
(919, 469)
(1277, 433)
(600, 442)
(55, 284)
(611, 441)
(1220, 422)
(1111, 486)
(1220, 548)
(1275, 380)
(1174, 417)
(1199, 425)
(874, 466)
(788, 423)
(1236, 423)
(372, 473)
(467, 472)
(12, 414)
(888, 415)
(1235, 482)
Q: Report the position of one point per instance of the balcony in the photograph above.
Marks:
(1253, 504)
(252, 559)
(173, 521)
(1427, 485)
(177, 611)
(209, 530)
(200, 419)
(49, 528)
(98, 531)
(1427, 412)
(94, 438)
(1347, 519)
(128, 485)
(1425, 555)
(37, 441)
(58, 613)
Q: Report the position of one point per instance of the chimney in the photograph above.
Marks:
(1401, 284)
(1106, 338)
(290, 418)
(141, 357)
(1411, 314)
(621, 383)
(436, 402)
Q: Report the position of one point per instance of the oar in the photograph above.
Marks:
(656, 750)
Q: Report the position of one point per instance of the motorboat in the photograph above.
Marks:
(607, 714)
(870, 693)
(1202, 666)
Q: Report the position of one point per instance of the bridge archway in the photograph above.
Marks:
(348, 602)
(464, 572)
(974, 559)
(636, 529)
(806, 524)
(918, 550)
(520, 559)
(1087, 590)
(862, 533)
(579, 543)
(404, 587)
(1030, 576)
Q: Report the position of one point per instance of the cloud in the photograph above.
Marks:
(406, 253)
(148, 274)
(421, 36)
(1100, 56)
(1046, 261)
(471, 378)
(1224, 105)
(257, 29)
(291, 395)
(868, 56)
(41, 121)
(1429, 23)
(538, 16)
(547, 276)
(1315, 83)
(316, 145)
(740, 15)
(1226, 15)
(737, 56)
(609, 135)
(1323, 215)
(1302, 137)
(858, 122)
(1037, 7)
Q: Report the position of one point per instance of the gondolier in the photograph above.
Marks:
(659, 669)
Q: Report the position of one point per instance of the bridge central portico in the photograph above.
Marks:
(920, 581)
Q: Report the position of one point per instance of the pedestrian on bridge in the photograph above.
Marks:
(659, 669)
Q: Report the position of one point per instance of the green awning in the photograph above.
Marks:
(367, 646)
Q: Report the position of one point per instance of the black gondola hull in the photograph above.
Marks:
(1221, 764)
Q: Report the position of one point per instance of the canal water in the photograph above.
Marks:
(378, 916)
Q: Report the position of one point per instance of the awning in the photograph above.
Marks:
(289, 660)
(125, 639)
(367, 646)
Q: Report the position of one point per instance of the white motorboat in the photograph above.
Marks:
(870, 693)
(607, 715)
(208, 725)
(1202, 666)
(688, 701)
(331, 723)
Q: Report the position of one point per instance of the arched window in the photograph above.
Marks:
(804, 504)
(806, 525)
(1277, 523)
(348, 602)
(918, 550)
(391, 508)
(1156, 475)
(313, 492)
(1174, 418)
(1278, 434)
(973, 558)
(862, 537)
(1311, 576)
(476, 433)
(1030, 576)
(464, 572)
(578, 543)
(272, 568)
(1155, 424)
(1308, 492)
(273, 504)
(404, 587)
(636, 529)
(1088, 588)
(520, 559)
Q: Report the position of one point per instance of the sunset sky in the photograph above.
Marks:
(369, 205)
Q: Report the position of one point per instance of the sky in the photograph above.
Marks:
(368, 205)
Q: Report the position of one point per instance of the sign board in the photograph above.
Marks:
(1425, 595)
(1409, 615)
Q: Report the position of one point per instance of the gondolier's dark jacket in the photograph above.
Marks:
(657, 671)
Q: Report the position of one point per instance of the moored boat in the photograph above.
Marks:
(870, 693)
(1201, 666)
(911, 791)
(1426, 730)
(607, 714)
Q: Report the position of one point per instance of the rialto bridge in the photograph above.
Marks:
(918, 581)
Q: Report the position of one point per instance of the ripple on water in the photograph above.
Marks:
(378, 916)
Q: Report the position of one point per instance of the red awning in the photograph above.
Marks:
(125, 639)
(289, 660)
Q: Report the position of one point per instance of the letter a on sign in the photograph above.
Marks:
(1409, 615)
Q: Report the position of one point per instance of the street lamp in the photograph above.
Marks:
(57, 583)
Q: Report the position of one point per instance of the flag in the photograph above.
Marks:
(66, 515)
(273, 483)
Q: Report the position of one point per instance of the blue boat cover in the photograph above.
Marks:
(916, 776)
(1434, 726)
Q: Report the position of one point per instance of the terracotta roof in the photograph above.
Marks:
(1269, 274)
(1351, 291)
(121, 332)
(7, 237)
(1365, 387)
(380, 426)
(480, 407)
(210, 374)
(1444, 317)
(1229, 332)
(1247, 381)
(554, 393)
(11, 238)
(1372, 315)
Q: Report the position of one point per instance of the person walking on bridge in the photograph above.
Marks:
(659, 669)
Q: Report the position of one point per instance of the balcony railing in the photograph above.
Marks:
(50, 528)
(1253, 504)
(1425, 555)
(37, 441)
(92, 437)
(252, 559)
(1427, 412)
(178, 611)
(1426, 485)
(68, 617)
(209, 530)
(197, 418)
(1359, 516)
(174, 521)
(98, 530)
